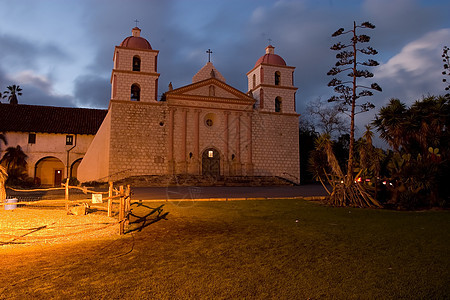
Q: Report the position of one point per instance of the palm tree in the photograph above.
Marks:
(14, 158)
(15, 162)
(2, 96)
(390, 122)
(420, 138)
(13, 91)
(430, 117)
(414, 129)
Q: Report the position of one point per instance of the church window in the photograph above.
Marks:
(210, 153)
(254, 80)
(212, 90)
(209, 119)
(277, 78)
(277, 104)
(136, 63)
(135, 93)
(69, 139)
(32, 138)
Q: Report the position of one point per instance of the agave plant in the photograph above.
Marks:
(357, 194)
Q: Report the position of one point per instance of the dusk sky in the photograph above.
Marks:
(60, 52)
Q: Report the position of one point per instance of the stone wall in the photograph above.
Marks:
(138, 139)
(95, 164)
(276, 146)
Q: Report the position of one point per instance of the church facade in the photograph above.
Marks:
(205, 128)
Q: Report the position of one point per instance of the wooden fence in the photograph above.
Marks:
(122, 195)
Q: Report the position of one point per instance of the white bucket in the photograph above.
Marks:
(11, 206)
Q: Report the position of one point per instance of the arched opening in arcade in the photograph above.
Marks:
(49, 171)
(74, 168)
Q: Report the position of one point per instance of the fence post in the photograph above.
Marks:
(121, 211)
(110, 194)
(3, 176)
(66, 194)
(128, 200)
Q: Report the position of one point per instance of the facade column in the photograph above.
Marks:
(196, 154)
(170, 153)
(249, 164)
(226, 160)
(237, 164)
(183, 162)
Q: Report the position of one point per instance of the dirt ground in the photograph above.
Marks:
(27, 227)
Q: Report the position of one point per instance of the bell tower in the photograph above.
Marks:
(134, 76)
(271, 82)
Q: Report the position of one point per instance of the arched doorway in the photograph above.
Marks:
(74, 168)
(211, 162)
(49, 171)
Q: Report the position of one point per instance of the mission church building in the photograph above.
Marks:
(205, 128)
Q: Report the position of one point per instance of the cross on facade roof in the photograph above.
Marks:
(136, 21)
(209, 54)
(270, 41)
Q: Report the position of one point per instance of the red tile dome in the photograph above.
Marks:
(135, 41)
(270, 58)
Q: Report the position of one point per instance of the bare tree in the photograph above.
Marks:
(326, 118)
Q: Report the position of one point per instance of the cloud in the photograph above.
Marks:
(28, 77)
(237, 31)
(92, 91)
(35, 95)
(20, 53)
(416, 70)
(36, 89)
(411, 74)
(402, 21)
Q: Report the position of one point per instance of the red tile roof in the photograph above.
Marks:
(136, 43)
(271, 59)
(50, 119)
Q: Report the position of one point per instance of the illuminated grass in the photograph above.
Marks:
(284, 249)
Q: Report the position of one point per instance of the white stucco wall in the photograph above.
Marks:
(95, 164)
(49, 145)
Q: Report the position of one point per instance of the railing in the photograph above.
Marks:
(123, 194)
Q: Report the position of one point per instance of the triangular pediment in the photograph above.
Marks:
(210, 90)
(208, 71)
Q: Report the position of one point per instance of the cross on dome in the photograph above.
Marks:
(209, 54)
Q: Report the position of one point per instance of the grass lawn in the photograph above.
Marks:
(272, 249)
